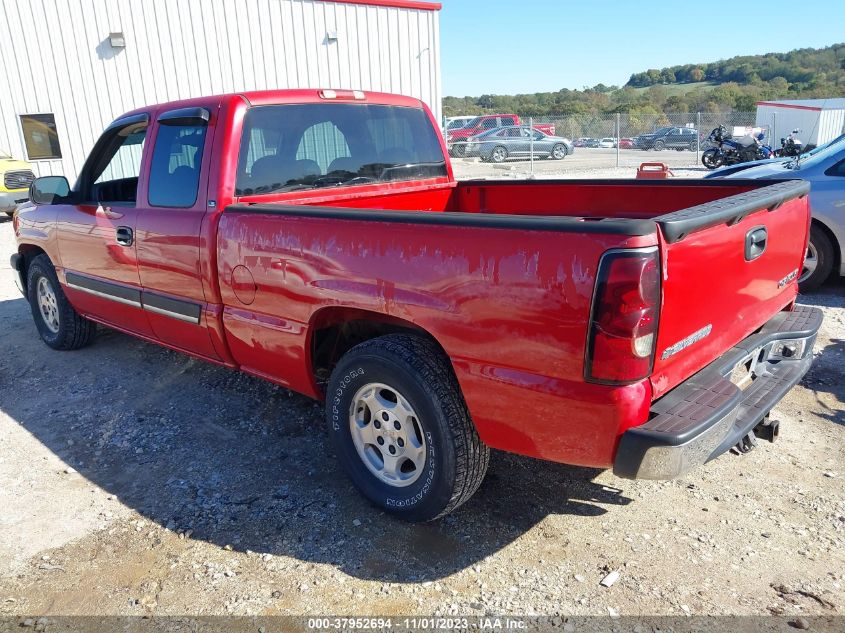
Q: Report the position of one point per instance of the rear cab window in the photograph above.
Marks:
(309, 146)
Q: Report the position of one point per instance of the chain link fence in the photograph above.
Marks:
(556, 144)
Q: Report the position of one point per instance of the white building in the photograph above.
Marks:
(70, 67)
(820, 120)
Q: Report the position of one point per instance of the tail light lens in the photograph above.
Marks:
(623, 320)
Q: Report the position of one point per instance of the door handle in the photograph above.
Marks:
(124, 236)
(755, 242)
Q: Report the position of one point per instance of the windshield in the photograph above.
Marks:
(473, 122)
(293, 147)
(454, 125)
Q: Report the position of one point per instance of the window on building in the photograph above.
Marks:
(289, 147)
(175, 167)
(40, 136)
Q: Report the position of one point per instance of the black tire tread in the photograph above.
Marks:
(825, 249)
(472, 456)
(78, 331)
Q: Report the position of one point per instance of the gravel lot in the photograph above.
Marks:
(135, 480)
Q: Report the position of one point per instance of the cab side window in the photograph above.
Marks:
(175, 166)
(112, 172)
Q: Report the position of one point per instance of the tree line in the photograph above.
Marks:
(735, 84)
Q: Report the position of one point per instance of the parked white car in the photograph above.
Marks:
(607, 142)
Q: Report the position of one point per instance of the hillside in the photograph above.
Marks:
(801, 69)
(734, 84)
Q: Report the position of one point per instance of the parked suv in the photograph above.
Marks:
(15, 178)
(669, 137)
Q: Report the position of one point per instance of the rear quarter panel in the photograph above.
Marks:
(508, 306)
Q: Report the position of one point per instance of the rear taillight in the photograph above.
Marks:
(623, 320)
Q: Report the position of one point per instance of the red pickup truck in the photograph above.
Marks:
(457, 138)
(318, 239)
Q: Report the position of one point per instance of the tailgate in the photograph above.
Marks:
(727, 266)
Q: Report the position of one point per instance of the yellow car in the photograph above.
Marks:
(15, 178)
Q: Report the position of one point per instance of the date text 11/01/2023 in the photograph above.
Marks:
(488, 623)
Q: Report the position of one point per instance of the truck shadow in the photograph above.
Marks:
(241, 462)
(827, 373)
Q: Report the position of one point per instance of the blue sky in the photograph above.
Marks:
(507, 47)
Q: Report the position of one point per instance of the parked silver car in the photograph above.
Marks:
(503, 143)
(824, 168)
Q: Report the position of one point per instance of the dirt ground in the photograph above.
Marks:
(135, 480)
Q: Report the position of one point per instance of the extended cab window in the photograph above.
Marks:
(175, 167)
(289, 147)
(111, 173)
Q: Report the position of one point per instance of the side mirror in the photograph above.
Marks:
(49, 190)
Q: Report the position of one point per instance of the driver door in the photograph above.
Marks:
(97, 233)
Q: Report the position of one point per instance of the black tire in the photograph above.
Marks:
(822, 247)
(556, 149)
(499, 154)
(458, 150)
(456, 460)
(711, 159)
(692, 146)
(74, 331)
(659, 145)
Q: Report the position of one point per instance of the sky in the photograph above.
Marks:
(509, 47)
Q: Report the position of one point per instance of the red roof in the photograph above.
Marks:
(399, 4)
(794, 106)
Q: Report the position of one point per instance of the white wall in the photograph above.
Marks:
(817, 126)
(55, 57)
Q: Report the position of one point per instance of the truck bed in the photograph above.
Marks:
(502, 275)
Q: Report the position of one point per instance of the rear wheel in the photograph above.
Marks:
(499, 154)
(818, 263)
(401, 429)
(692, 146)
(559, 151)
(458, 150)
(59, 325)
(659, 145)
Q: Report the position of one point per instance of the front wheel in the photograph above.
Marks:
(559, 152)
(659, 145)
(818, 262)
(712, 159)
(59, 325)
(401, 429)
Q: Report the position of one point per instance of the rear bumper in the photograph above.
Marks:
(708, 414)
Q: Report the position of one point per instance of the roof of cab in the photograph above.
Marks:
(283, 97)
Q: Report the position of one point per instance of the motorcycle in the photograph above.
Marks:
(726, 150)
(791, 145)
